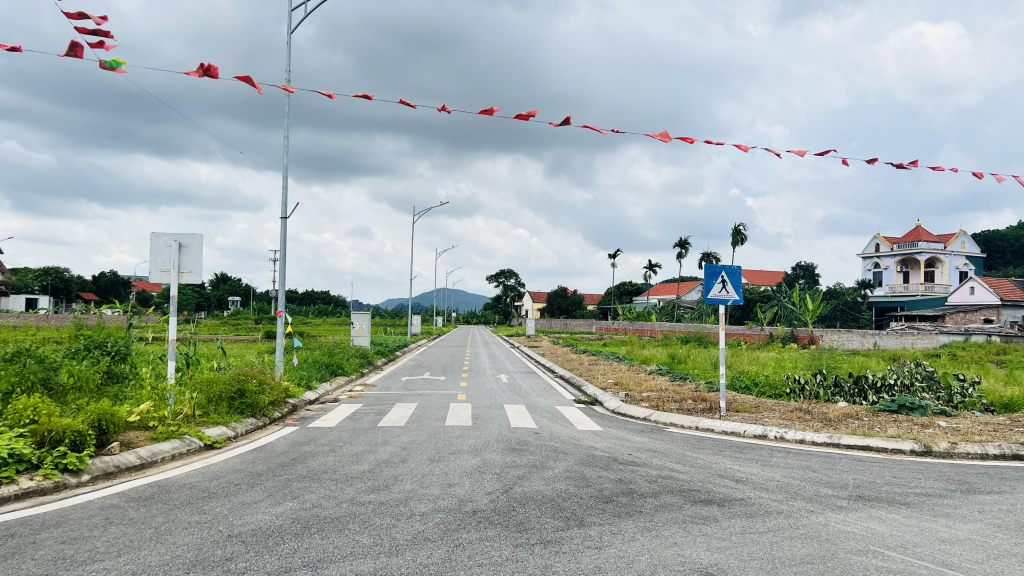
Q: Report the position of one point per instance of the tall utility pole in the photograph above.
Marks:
(135, 280)
(412, 249)
(446, 275)
(436, 256)
(352, 296)
(453, 296)
(306, 11)
(273, 278)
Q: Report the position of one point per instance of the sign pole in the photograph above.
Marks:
(172, 324)
(721, 357)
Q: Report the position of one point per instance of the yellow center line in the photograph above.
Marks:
(464, 375)
(462, 396)
(462, 383)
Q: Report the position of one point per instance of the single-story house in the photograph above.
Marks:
(762, 278)
(979, 300)
(534, 302)
(689, 294)
(26, 302)
(86, 298)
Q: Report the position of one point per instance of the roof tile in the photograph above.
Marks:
(1005, 288)
(669, 289)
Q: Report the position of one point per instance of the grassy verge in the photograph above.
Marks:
(67, 392)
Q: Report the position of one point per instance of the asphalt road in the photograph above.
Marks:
(426, 476)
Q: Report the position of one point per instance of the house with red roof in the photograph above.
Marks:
(689, 293)
(979, 301)
(144, 286)
(918, 270)
(533, 303)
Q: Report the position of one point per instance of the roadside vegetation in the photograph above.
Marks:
(66, 393)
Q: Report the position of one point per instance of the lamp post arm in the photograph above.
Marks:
(306, 11)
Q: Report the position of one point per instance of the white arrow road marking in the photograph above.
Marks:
(426, 376)
(504, 378)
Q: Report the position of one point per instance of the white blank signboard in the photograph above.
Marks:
(190, 257)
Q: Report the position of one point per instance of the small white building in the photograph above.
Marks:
(26, 302)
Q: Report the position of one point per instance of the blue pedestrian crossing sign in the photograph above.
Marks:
(723, 284)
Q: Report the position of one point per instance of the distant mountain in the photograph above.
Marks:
(457, 300)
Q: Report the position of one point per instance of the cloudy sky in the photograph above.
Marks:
(91, 163)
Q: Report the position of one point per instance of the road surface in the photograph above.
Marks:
(479, 474)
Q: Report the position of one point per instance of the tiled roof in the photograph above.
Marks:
(1005, 288)
(918, 234)
(763, 277)
(669, 289)
(142, 285)
(947, 238)
(88, 296)
(3, 269)
(542, 298)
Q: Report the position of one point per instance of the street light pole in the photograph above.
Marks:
(306, 11)
(135, 278)
(453, 297)
(436, 256)
(351, 296)
(446, 275)
(412, 249)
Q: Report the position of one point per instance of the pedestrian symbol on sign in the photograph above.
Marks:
(723, 288)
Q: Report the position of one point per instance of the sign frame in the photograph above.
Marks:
(713, 275)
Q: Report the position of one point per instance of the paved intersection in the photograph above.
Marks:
(479, 474)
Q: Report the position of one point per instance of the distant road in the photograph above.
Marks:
(479, 474)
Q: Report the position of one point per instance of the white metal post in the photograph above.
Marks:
(721, 357)
(172, 324)
(279, 347)
(412, 249)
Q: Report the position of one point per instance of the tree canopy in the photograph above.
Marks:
(803, 274)
(564, 303)
(110, 286)
(511, 289)
(55, 281)
(1004, 250)
(622, 293)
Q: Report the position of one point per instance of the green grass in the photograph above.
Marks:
(761, 368)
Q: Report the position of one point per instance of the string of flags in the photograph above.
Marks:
(76, 50)
(295, 341)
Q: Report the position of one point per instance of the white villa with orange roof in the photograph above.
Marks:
(917, 270)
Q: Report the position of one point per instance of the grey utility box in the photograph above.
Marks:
(361, 329)
(417, 325)
(531, 326)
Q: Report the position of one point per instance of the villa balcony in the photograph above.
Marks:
(911, 289)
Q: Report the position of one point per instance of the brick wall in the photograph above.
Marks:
(62, 320)
(976, 317)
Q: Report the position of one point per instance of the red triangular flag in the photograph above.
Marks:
(898, 165)
(773, 152)
(594, 128)
(74, 50)
(444, 108)
(956, 170)
(405, 102)
(102, 44)
(914, 164)
(324, 93)
(248, 80)
(825, 152)
(489, 111)
(616, 131)
(567, 121)
(663, 136)
(978, 175)
(714, 142)
(871, 162)
(205, 70)
(284, 87)
(95, 32)
(1019, 180)
(7, 48)
(846, 162)
(687, 139)
(999, 178)
(937, 168)
(526, 115)
(363, 95)
(742, 147)
(800, 153)
(98, 20)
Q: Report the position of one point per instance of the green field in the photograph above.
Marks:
(761, 369)
(67, 392)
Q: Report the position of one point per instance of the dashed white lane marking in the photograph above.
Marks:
(518, 416)
(459, 415)
(578, 418)
(398, 415)
(147, 480)
(332, 418)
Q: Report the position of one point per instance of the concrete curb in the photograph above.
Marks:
(955, 450)
(102, 467)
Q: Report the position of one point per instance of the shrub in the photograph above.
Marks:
(104, 420)
(243, 391)
(16, 453)
(25, 411)
(28, 369)
(909, 406)
(54, 433)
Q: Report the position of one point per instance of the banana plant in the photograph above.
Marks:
(808, 308)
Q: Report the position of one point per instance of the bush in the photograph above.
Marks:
(25, 411)
(104, 420)
(54, 433)
(28, 369)
(910, 406)
(16, 453)
(242, 391)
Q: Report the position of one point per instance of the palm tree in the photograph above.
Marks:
(651, 269)
(866, 286)
(708, 257)
(612, 256)
(738, 238)
(682, 247)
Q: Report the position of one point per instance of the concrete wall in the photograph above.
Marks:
(841, 339)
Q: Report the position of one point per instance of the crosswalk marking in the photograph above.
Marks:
(332, 418)
(398, 415)
(518, 417)
(459, 415)
(578, 418)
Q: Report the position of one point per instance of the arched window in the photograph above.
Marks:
(876, 274)
(929, 272)
(963, 244)
(878, 247)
